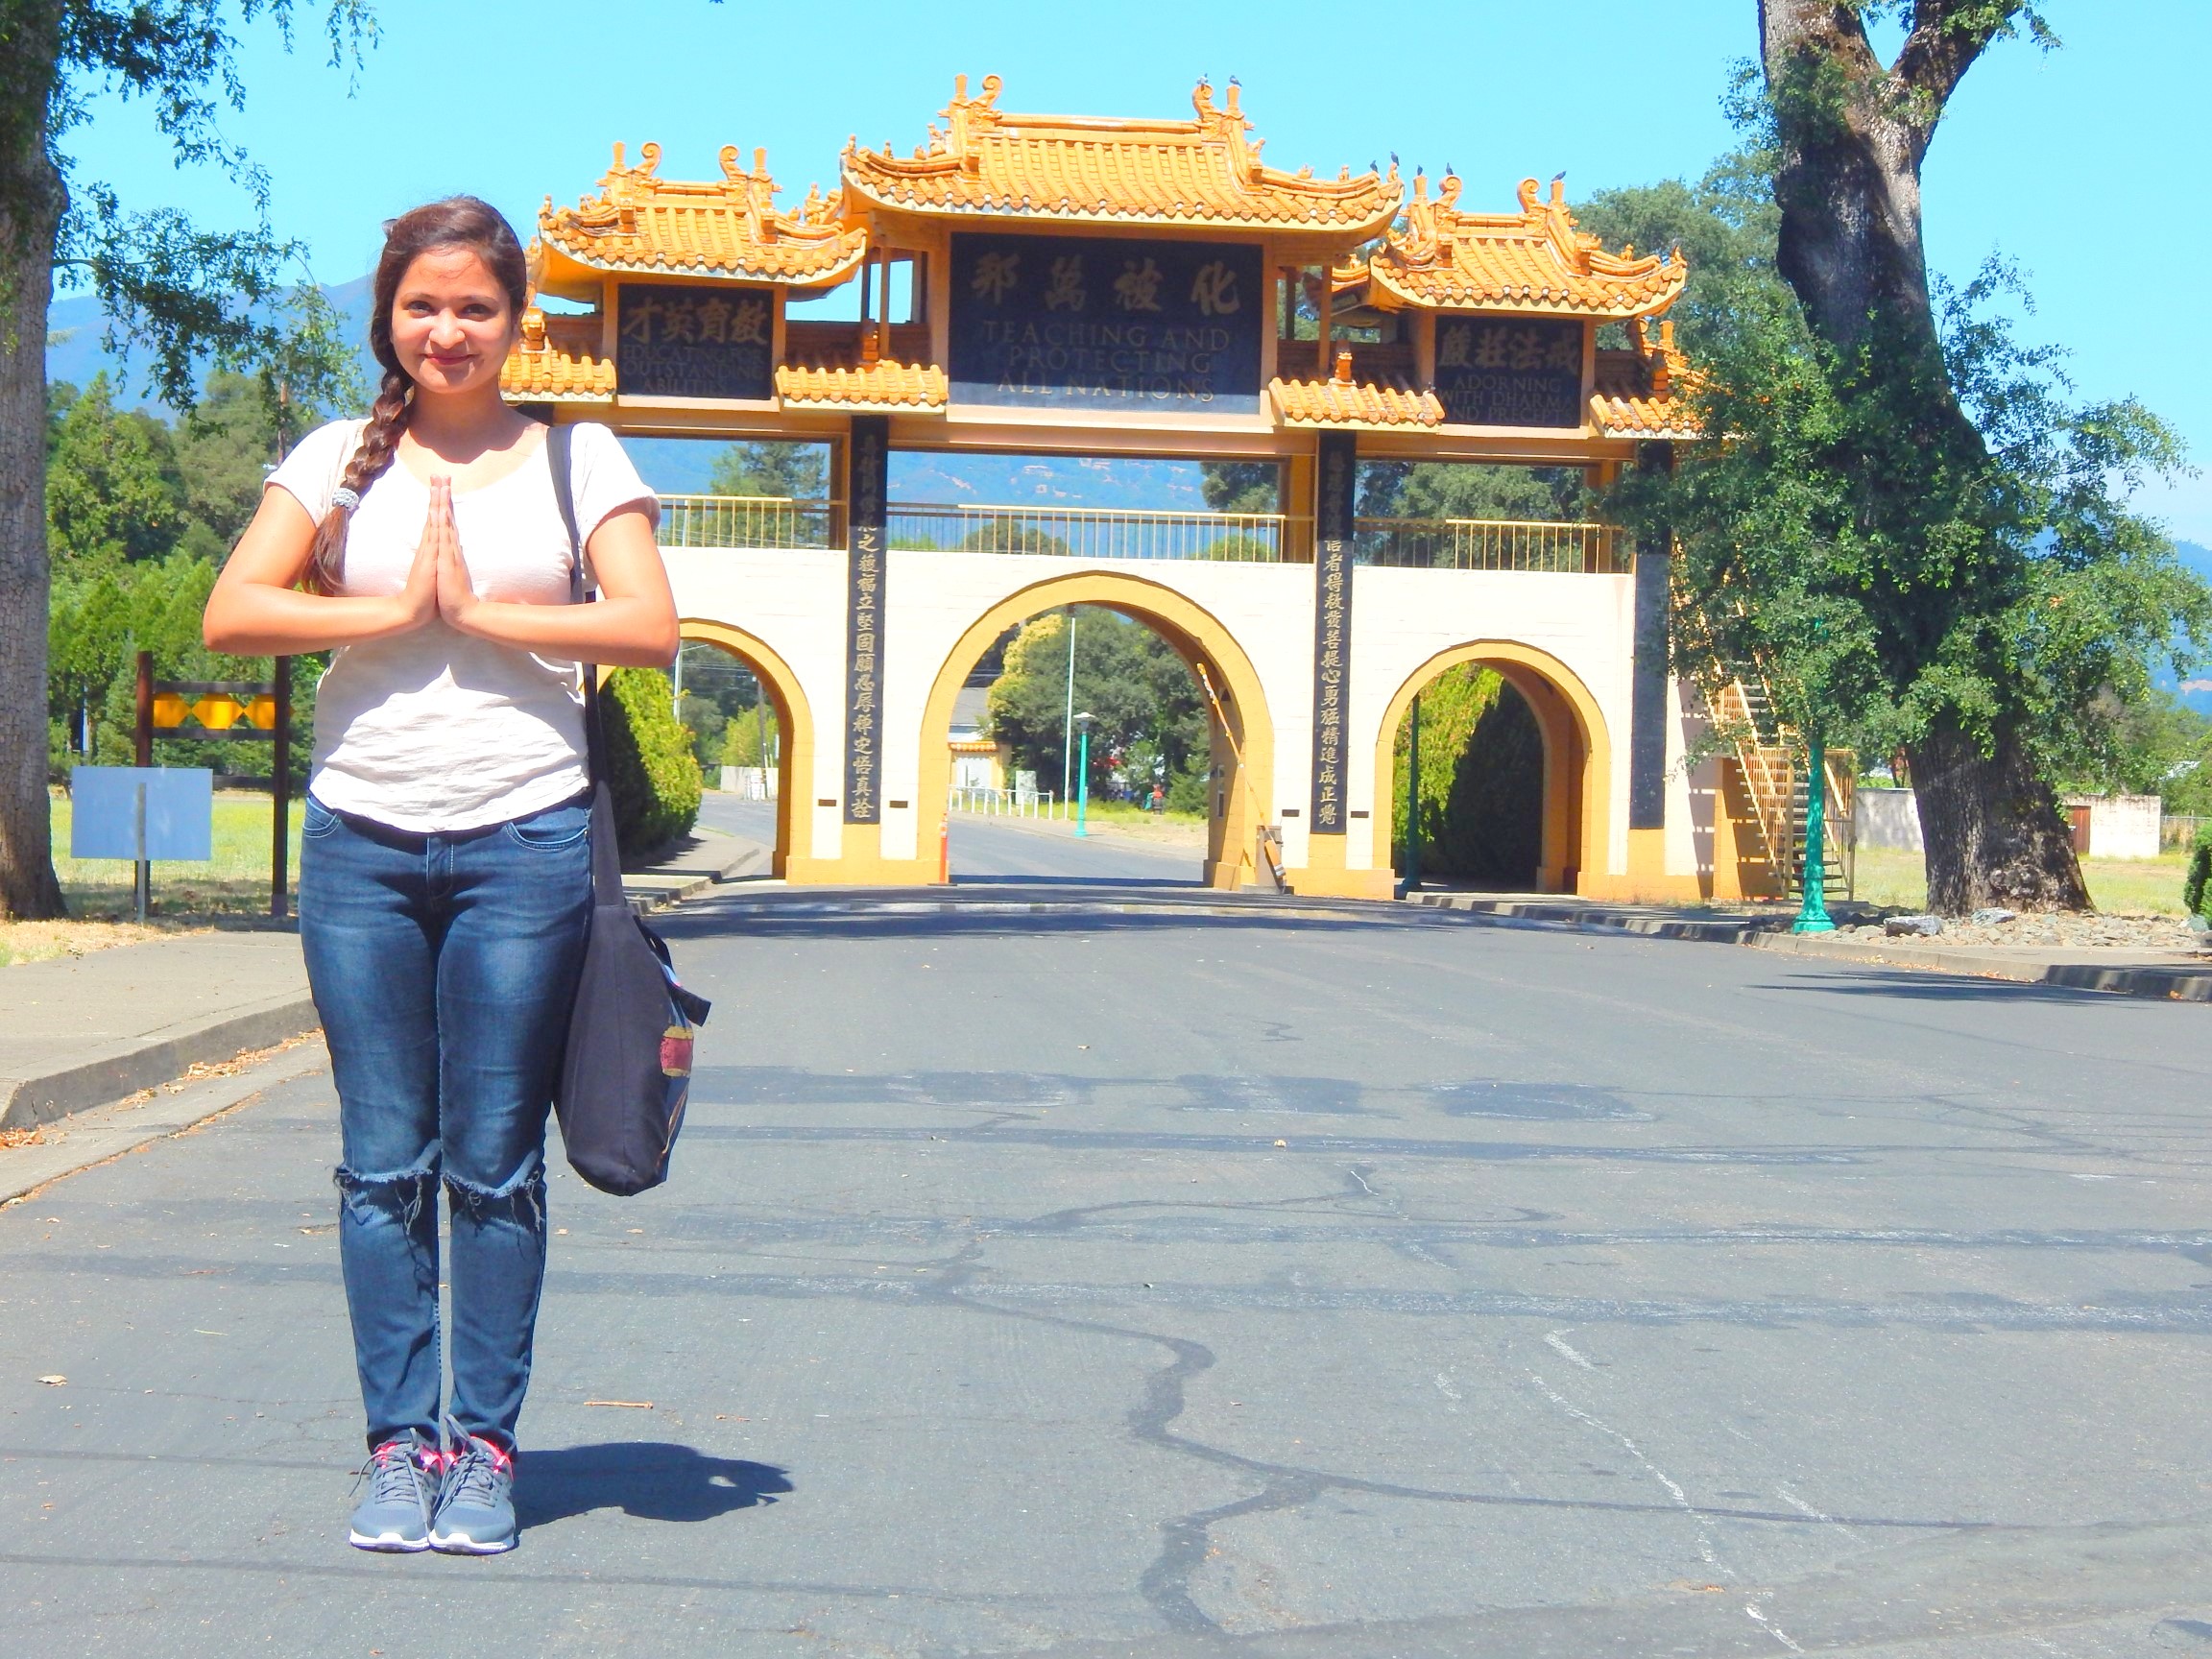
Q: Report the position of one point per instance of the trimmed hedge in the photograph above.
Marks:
(2195, 899)
(651, 772)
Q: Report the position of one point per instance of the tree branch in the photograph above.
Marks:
(1946, 37)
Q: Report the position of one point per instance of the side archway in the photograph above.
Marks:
(1242, 751)
(793, 719)
(1577, 755)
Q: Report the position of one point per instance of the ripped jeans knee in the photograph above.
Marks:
(400, 1196)
(520, 1201)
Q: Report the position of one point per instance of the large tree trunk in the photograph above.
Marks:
(30, 205)
(1993, 833)
(1853, 132)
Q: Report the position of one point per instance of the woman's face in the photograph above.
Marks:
(451, 325)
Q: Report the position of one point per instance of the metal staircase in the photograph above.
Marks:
(1770, 757)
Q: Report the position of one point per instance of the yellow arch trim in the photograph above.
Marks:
(793, 719)
(1574, 729)
(1198, 636)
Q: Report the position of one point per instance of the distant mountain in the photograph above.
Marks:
(680, 467)
(76, 346)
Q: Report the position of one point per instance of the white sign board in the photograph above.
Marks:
(140, 812)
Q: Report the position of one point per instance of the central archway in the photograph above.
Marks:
(795, 757)
(1242, 794)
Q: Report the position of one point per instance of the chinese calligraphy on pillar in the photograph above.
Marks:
(1096, 323)
(1334, 482)
(1509, 371)
(687, 340)
(870, 455)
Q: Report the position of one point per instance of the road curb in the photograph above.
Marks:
(2163, 981)
(2169, 983)
(123, 1068)
(648, 892)
(85, 1139)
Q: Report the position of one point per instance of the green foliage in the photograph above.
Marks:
(1130, 679)
(652, 774)
(2196, 885)
(1459, 490)
(746, 738)
(1480, 790)
(1726, 225)
(140, 514)
(717, 689)
(2152, 744)
(112, 490)
(797, 472)
(1905, 540)
(1241, 486)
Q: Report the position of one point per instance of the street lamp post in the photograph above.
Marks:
(1812, 914)
(1067, 721)
(1083, 775)
(1413, 794)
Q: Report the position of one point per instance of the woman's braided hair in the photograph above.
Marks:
(457, 222)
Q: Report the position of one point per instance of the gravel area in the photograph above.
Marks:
(2068, 931)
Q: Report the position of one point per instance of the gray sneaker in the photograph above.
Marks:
(475, 1513)
(402, 1476)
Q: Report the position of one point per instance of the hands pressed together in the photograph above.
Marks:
(438, 583)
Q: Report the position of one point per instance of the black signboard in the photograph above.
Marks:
(1332, 628)
(690, 341)
(864, 572)
(1093, 322)
(1509, 371)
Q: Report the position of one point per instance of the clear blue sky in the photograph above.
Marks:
(2078, 164)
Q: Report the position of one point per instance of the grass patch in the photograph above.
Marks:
(1895, 875)
(234, 882)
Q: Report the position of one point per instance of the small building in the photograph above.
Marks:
(977, 762)
(2115, 825)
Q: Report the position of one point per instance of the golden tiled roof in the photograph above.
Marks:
(1531, 261)
(1639, 392)
(865, 385)
(1342, 400)
(730, 228)
(986, 163)
(553, 361)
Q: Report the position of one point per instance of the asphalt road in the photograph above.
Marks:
(1003, 850)
(1179, 1285)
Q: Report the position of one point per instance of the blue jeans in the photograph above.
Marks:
(442, 967)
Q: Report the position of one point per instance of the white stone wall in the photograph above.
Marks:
(2122, 825)
(1887, 818)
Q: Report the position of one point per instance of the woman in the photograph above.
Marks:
(444, 874)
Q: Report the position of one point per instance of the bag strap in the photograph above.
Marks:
(606, 859)
(560, 451)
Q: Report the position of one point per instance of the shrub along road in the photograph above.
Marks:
(1154, 1284)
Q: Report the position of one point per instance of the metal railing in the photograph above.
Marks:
(1003, 802)
(1491, 544)
(1121, 532)
(749, 522)
(1101, 532)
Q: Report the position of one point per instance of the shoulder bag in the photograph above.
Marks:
(626, 1074)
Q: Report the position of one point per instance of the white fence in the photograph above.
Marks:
(749, 782)
(1006, 803)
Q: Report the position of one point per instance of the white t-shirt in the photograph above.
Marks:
(432, 730)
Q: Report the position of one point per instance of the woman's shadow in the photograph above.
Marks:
(652, 1479)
